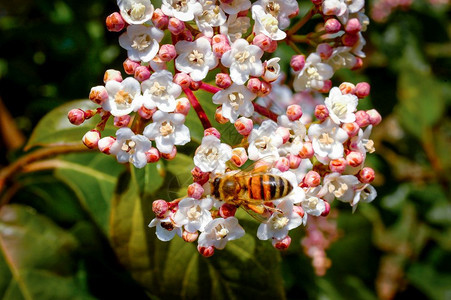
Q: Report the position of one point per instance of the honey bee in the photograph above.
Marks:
(250, 189)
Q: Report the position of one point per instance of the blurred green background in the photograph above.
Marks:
(58, 241)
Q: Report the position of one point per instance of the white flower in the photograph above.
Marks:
(280, 222)
(313, 74)
(184, 10)
(327, 139)
(212, 155)
(129, 147)
(297, 133)
(341, 58)
(141, 42)
(313, 205)
(352, 6)
(243, 60)
(264, 141)
(219, 231)
(121, 96)
(195, 58)
(211, 16)
(160, 91)
(136, 11)
(235, 27)
(364, 193)
(341, 187)
(334, 7)
(266, 24)
(357, 48)
(235, 6)
(272, 70)
(236, 101)
(167, 130)
(193, 214)
(341, 107)
(280, 9)
(166, 229)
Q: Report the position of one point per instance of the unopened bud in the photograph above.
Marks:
(153, 155)
(239, 156)
(176, 26)
(122, 121)
(182, 106)
(353, 26)
(265, 43)
(327, 85)
(375, 117)
(186, 35)
(265, 89)
(294, 112)
(104, 144)
(195, 191)
(195, 85)
(199, 176)
(326, 209)
(244, 126)
(358, 63)
(321, 112)
(283, 164)
(167, 52)
(76, 116)
(254, 85)
(332, 26)
(284, 133)
(362, 89)
(227, 210)
(223, 80)
(306, 150)
(349, 40)
(112, 75)
(206, 251)
(115, 22)
(146, 113)
(324, 50)
(159, 19)
(130, 66)
(190, 237)
(312, 179)
(219, 117)
(366, 175)
(212, 131)
(91, 138)
(171, 155)
(338, 165)
(351, 128)
(297, 62)
(142, 73)
(362, 118)
(220, 48)
(219, 38)
(160, 208)
(294, 161)
(354, 158)
(282, 244)
(182, 79)
(347, 88)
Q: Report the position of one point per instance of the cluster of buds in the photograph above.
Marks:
(315, 136)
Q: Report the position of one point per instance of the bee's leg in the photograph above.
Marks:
(258, 208)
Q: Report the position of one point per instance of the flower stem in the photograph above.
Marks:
(209, 88)
(293, 46)
(302, 21)
(265, 112)
(198, 108)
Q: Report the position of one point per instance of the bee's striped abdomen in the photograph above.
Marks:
(268, 187)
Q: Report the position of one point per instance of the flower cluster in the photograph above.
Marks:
(313, 133)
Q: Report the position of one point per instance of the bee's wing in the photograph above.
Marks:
(263, 165)
(254, 211)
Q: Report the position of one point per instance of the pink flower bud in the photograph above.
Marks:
(312, 179)
(332, 26)
(362, 118)
(324, 50)
(159, 19)
(338, 165)
(212, 131)
(195, 85)
(264, 42)
(115, 22)
(354, 158)
(223, 80)
(283, 164)
(294, 112)
(317, 2)
(227, 210)
(239, 156)
(347, 88)
(358, 64)
(201, 35)
(366, 175)
(375, 117)
(153, 155)
(182, 79)
(282, 244)
(167, 52)
(91, 138)
(160, 208)
(306, 150)
(142, 73)
(254, 85)
(326, 211)
(294, 161)
(349, 40)
(190, 237)
(353, 26)
(112, 75)
(244, 13)
(195, 191)
(297, 62)
(220, 48)
(219, 117)
(351, 128)
(122, 121)
(362, 89)
(130, 66)
(244, 126)
(265, 89)
(76, 116)
(186, 35)
(321, 112)
(284, 133)
(170, 156)
(299, 210)
(182, 106)
(327, 85)
(146, 113)
(104, 144)
(219, 38)
(199, 176)
(206, 251)
(176, 26)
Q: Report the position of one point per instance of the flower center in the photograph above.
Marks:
(157, 89)
(123, 99)
(180, 5)
(369, 145)
(338, 191)
(279, 221)
(273, 8)
(194, 213)
(211, 153)
(196, 57)
(236, 99)
(243, 56)
(325, 139)
(166, 128)
(211, 15)
(270, 23)
(137, 11)
(128, 146)
(141, 42)
(312, 202)
(262, 143)
(221, 232)
(339, 108)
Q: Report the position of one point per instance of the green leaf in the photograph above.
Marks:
(434, 284)
(55, 129)
(150, 178)
(39, 256)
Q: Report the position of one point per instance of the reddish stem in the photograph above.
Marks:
(209, 88)
(265, 112)
(198, 108)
